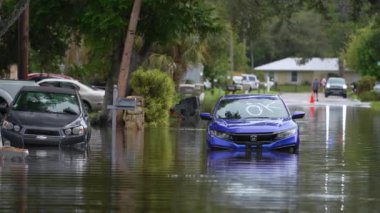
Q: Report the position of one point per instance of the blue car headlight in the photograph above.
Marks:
(11, 126)
(221, 135)
(286, 134)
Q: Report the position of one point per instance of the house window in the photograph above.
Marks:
(294, 76)
(271, 76)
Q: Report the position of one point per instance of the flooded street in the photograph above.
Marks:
(171, 170)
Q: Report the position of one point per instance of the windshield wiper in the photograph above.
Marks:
(70, 111)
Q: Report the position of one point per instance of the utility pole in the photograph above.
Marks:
(252, 57)
(23, 44)
(232, 51)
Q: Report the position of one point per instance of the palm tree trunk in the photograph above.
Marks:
(127, 53)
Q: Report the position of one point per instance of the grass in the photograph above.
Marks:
(375, 105)
(211, 97)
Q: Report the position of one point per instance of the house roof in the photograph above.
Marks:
(296, 64)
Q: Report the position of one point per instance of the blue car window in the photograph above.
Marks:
(251, 108)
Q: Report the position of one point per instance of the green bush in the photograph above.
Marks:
(366, 84)
(211, 97)
(159, 94)
(368, 96)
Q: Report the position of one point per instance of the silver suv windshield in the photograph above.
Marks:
(336, 81)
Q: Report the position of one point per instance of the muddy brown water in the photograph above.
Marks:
(171, 170)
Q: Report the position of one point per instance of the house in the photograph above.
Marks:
(299, 71)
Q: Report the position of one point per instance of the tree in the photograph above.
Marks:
(6, 23)
(53, 26)
(160, 23)
(363, 51)
(125, 60)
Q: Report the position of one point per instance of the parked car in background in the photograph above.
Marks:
(40, 76)
(10, 88)
(207, 84)
(249, 121)
(336, 86)
(250, 80)
(236, 83)
(376, 88)
(45, 116)
(92, 98)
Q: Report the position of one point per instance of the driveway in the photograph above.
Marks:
(304, 99)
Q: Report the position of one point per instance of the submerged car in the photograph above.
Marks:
(252, 122)
(336, 86)
(45, 116)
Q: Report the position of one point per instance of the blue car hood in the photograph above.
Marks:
(40, 119)
(253, 125)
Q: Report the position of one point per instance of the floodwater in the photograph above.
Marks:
(171, 170)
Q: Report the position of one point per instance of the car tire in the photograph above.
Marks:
(326, 95)
(86, 106)
(344, 96)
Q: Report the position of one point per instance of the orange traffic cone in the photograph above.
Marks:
(312, 98)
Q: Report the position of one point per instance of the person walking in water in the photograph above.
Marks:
(323, 84)
(315, 86)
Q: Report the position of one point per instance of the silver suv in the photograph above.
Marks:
(336, 86)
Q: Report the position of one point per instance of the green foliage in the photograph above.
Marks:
(260, 75)
(369, 96)
(158, 91)
(375, 105)
(363, 51)
(366, 84)
(211, 97)
(52, 26)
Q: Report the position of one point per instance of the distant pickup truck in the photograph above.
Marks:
(9, 89)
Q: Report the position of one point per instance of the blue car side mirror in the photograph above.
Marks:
(298, 114)
(206, 116)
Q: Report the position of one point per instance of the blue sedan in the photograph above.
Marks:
(252, 122)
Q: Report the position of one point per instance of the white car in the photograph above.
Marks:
(237, 82)
(376, 88)
(92, 98)
(250, 80)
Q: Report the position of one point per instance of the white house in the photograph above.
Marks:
(298, 71)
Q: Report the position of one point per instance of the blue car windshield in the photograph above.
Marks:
(251, 108)
(47, 102)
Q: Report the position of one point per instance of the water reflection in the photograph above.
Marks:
(253, 180)
(170, 170)
(42, 165)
